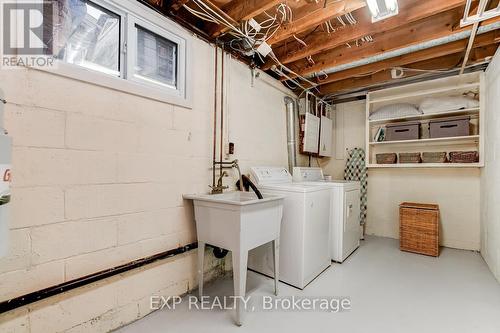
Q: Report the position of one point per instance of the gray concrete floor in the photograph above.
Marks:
(390, 291)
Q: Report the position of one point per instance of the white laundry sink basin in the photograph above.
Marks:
(236, 219)
(232, 198)
(239, 222)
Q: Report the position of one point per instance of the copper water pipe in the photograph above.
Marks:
(221, 108)
(215, 119)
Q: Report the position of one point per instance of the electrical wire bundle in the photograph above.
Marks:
(248, 38)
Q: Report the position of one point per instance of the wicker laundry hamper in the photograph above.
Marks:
(419, 228)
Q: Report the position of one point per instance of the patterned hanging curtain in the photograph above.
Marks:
(355, 170)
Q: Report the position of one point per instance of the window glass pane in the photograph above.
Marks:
(156, 58)
(88, 35)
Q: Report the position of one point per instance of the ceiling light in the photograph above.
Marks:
(382, 9)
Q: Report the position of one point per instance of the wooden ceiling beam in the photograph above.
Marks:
(313, 14)
(410, 11)
(384, 76)
(485, 39)
(412, 34)
(240, 10)
(176, 4)
(445, 62)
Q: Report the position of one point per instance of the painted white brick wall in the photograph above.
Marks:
(98, 181)
(490, 177)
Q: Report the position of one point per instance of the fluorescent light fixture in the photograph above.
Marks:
(382, 9)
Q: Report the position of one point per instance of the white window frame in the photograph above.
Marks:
(132, 12)
(122, 56)
(133, 21)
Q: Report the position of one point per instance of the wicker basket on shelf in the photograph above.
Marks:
(419, 228)
(434, 157)
(387, 158)
(464, 157)
(410, 158)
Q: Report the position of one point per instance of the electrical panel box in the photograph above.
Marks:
(316, 126)
(326, 136)
(311, 133)
(304, 106)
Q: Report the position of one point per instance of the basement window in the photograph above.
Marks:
(156, 59)
(88, 35)
(122, 45)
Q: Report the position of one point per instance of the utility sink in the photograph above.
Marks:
(233, 198)
(238, 222)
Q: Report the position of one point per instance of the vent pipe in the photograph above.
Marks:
(291, 107)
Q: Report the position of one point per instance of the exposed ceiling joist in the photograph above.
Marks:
(384, 76)
(410, 11)
(175, 5)
(485, 39)
(314, 14)
(240, 10)
(445, 62)
(411, 34)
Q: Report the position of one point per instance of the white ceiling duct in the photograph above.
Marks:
(382, 9)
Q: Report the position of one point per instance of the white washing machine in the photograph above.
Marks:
(304, 240)
(344, 210)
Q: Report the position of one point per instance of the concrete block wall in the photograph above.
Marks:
(490, 176)
(98, 178)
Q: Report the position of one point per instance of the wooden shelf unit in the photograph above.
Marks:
(414, 94)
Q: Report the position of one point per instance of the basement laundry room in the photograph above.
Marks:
(249, 166)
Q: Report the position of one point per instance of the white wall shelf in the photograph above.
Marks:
(450, 90)
(471, 112)
(414, 94)
(427, 165)
(439, 141)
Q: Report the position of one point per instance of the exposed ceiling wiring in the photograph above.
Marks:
(248, 38)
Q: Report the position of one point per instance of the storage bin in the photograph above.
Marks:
(434, 157)
(387, 158)
(410, 158)
(419, 228)
(403, 131)
(449, 127)
(464, 157)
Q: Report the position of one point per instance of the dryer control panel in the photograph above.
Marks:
(304, 174)
(270, 175)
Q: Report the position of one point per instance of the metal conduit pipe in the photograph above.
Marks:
(291, 107)
(410, 49)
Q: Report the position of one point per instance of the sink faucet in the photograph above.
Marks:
(219, 187)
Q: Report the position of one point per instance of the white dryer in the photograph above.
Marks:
(304, 240)
(344, 210)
